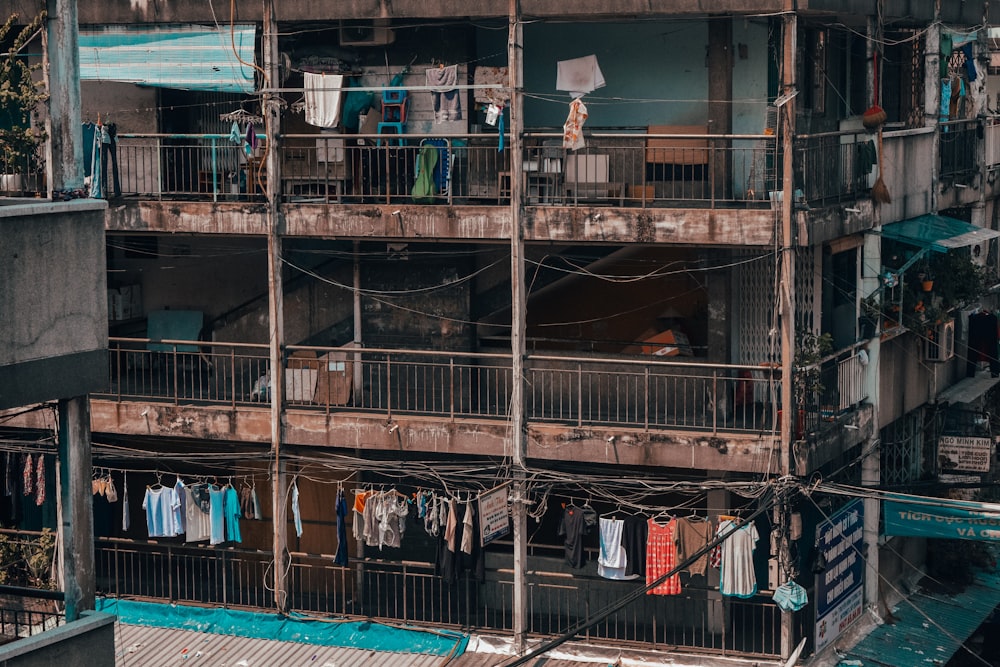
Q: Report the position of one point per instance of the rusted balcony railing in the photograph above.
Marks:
(959, 143)
(405, 591)
(615, 169)
(579, 391)
(183, 573)
(834, 166)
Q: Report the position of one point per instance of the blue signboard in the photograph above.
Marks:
(913, 520)
(839, 598)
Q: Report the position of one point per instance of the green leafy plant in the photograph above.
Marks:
(21, 95)
(27, 561)
(810, 349)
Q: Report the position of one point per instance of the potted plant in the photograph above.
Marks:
(807, 382)
(21, 95)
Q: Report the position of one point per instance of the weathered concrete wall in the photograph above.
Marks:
(54, 329)
(416, 435)
(87, 642)
(907, 162)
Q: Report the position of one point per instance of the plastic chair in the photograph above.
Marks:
(391, 128)
(394, 107)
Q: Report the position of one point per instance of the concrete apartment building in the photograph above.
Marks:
(674, 264)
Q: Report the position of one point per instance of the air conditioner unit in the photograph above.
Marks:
(365, 33)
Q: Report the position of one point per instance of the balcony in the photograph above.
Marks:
(622, 410)
(626, 187)
(409, 591)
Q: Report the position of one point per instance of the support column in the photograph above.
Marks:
(358, 386)
(786, 298)
(76, 525)
(64, 163)
(720, 97)
(518, 427)
(871, 473)
(275, 308)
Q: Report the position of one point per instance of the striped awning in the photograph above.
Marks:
(187, 57)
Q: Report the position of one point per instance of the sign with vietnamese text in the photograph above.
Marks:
(911, 520)
(967, 454)
(494, 518)
(839, 594)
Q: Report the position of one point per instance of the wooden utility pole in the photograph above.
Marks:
(786, 288)
(518, 428)
(271, 104)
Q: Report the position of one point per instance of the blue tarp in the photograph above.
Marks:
(187, 57)
(291, 628)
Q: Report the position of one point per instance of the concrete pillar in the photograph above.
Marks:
(871, 465)
(720, 97)
(76, 525)
(65, 157)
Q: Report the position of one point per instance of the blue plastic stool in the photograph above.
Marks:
(391, 128)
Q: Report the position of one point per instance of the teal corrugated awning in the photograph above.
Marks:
(937, 232)
(930, 627)
(187, 57)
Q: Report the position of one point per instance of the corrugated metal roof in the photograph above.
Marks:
(188, 57)
(930, 628)
(145, 646)
(938, 232)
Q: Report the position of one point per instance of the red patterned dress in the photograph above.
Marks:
(661, 557)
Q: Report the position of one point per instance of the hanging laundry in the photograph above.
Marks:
(579, 76)
(235, 136)
(8, 475)
(737, 576)
(126, 518)
(970, 62)
(28, 478)
(110, 491)
(358, 527)
(296, 514)
(340, 558)
(40, 481)
(467, 534)
(635, 537)
(613, 561)
(370, 532)
(231, 512)
(197, 510)
(447, 99)
(246, 501)
(451, 525)
(789, 596)
(984, 334)
(496, 77)
(216, 515)
(391, 512)
(945, 101)
(158, 503)
(178, 508)
(323, 97)
(575, 524)
(573, 128)
(257, 514)
(693, 535)
(661, 558)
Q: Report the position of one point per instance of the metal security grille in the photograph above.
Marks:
(902, 450)
(808, 288)
(755, 307)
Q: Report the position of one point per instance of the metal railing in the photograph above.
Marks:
(579, 391)
(834, 166)
(183, 573)
(959, 144)
(616, 169)
(411, 592)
